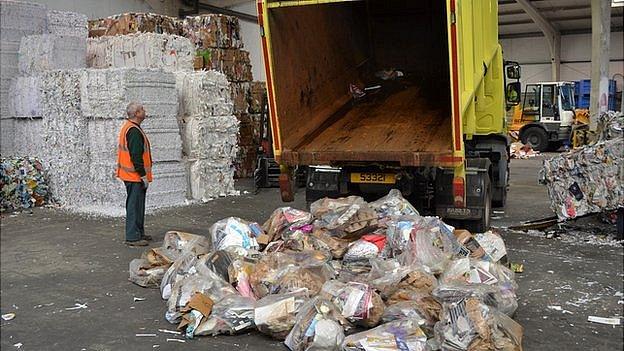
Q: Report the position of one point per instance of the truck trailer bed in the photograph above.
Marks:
(397, 126)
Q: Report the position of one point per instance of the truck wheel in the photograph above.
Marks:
(536, 137)
(483, 224)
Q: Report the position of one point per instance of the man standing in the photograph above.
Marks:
(134, 167)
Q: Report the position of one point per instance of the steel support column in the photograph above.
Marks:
(601, 38)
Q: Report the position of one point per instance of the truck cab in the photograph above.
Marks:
(544, 121)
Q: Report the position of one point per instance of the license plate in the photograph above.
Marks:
(374, 178)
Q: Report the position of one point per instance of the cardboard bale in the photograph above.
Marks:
(40, 53)
(128, 23)
(257, 94)
(234, 63)
(212, 31)
(141, 50)
(241, 94)
(67, 23)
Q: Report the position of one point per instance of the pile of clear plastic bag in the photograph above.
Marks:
(404, 281)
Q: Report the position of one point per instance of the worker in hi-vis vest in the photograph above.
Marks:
(134, 167)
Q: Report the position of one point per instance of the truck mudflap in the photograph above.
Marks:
(478, 189)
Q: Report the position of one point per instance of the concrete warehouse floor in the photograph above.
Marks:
(52, 260)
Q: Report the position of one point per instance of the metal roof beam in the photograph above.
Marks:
(551, 33)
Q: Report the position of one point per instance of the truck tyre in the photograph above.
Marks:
(483, 224)
(536, 137)
(499, 194)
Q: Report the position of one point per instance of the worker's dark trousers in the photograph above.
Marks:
(135, 211)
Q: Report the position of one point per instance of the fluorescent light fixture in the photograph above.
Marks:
(617, 3)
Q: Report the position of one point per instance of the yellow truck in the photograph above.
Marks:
(381, 94)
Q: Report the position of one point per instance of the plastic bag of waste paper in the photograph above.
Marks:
(274, 272)
(357, 302)
(398, 234)
(399, 335)
(386, 274)
(426, 305)
(232, 315)
(318, 326)
(365, 248)
(283, 221)
(324, 241)
(239, 273)
(344, 217)
(235, 232)
(183, 266)
(471, 272)
(274, 315)
(144, 274)
(493, 246)
(432, 245)
(218, 262)
(401, 310)
(469, 324)
(176, 243)
(207, 283)
(393, 204)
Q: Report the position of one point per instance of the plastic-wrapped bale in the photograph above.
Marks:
(25, 97)
(40, 53)
(67, 23)
(17, 19)
(213, 31)
(141, 50)
(23, 183)
(128, 23)
(585, 180)
(234, 63)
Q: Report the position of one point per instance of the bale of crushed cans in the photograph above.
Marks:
(22, 184)
(348, 275)
(589, 179)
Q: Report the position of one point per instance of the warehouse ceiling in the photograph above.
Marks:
(567, 16)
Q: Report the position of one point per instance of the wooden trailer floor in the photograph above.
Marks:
(392, 127)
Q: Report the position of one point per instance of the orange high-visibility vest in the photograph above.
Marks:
(125, 167)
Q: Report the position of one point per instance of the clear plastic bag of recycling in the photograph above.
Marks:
(231, 315)
(235, 232)
(274, 315)
(318, 326)
(400, 335)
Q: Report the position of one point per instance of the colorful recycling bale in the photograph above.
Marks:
(23, 183)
